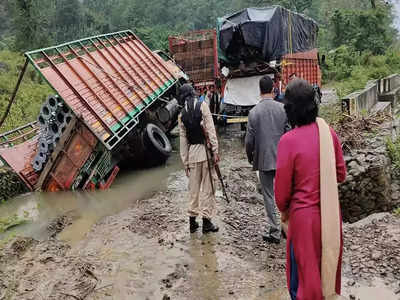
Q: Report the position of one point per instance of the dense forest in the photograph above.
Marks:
(357, 36)
(28, 24)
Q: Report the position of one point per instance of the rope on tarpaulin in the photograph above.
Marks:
(290, 32)
(215, 115)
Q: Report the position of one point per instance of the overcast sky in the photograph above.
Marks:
(396, 4)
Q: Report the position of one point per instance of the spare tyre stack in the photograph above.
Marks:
(53, 119)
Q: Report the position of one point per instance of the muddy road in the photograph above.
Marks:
(133, 242)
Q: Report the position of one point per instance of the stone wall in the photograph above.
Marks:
(368, 187)
(10, 184)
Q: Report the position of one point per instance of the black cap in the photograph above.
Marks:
(185, 91)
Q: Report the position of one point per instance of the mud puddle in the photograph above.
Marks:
(85, 208)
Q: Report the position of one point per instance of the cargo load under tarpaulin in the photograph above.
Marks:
(265, 34)
(107, 80)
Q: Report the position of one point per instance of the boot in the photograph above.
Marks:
(208, 226)
(193, 224)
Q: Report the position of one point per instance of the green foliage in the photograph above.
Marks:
(4, 18)
(32, 23)
(351, 71)
(365, 30)
(68, 15)
(10, 222)
(38, 23)
(31, 94)
(396, 212)
(360, 34)
(393, 148)
(331, 113)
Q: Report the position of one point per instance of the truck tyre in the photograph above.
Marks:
(156, 139)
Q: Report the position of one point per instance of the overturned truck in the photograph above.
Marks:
(115, 101)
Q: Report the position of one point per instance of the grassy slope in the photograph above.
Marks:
(33, 91)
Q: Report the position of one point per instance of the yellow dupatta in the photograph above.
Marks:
(330, 214)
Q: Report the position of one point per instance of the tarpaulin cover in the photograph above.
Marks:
(264, 33)
(243, 91)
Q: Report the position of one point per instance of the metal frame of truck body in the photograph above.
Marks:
(121, 57)
(23, 133)
(19, 157)
(66, 162)
(131, 79)
(202, 40)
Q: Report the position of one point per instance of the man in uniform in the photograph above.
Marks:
(266, 124)
(194, 118)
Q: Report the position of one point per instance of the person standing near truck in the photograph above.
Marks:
(194, 118)
(267, 122)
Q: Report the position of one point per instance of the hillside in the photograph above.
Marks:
(357, 35)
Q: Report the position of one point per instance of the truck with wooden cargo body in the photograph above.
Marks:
(228, 61)
(115, 101)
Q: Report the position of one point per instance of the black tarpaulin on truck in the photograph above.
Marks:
(264, 34)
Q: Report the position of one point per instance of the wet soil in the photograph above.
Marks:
(147, 252)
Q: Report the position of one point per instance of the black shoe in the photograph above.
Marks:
(208, 226)
(271, 239)
(193, 224)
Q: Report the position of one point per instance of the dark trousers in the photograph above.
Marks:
(267, 186)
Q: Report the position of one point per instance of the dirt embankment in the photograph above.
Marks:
(146, 252)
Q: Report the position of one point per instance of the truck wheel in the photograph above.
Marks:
(157, 140)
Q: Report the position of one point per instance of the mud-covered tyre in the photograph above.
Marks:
(157, 141)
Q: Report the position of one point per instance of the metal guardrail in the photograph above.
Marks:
(20, 134)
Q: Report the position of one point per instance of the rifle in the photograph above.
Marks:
(207, 144)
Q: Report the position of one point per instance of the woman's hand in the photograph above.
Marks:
(284, 216)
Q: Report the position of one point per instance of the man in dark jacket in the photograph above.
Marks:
(266, 124)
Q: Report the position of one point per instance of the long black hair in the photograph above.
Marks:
(300, 105)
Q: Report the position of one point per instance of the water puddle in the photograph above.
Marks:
(87, 207)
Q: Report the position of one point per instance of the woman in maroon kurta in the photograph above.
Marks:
(297, 192)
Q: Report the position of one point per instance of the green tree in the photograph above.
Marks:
(31, 23)
(365, 30)
(68, 20)
(4, 18)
